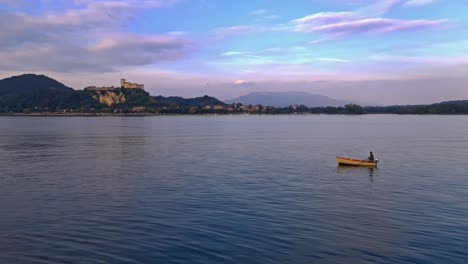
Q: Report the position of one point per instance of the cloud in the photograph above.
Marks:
(108, 54)
(323, 18)
(240, 82)
(414, 3)
(130, 3)
(134, 50)
(92, 37)
(277, 61)
(234, 53)
(381, 7)
(333, 60)
(286, 51)
(364, 20)
(367, 19)
(376, 25)
(263, 15)
(320, 41)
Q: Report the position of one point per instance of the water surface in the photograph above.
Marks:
(233, 189)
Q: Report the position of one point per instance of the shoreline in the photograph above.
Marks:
(207, 114)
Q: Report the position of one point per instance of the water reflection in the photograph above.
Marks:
(355, 171)
(371, 174)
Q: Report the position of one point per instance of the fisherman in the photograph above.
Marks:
(371, 157)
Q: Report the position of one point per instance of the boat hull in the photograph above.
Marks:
(356, 163)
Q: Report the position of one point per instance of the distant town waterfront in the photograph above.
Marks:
(233, 189)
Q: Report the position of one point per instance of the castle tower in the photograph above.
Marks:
(128, 85)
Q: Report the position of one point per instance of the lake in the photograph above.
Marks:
(233, 189)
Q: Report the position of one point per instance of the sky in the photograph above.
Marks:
(374, 52)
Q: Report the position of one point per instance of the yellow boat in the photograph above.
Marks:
(355, 162)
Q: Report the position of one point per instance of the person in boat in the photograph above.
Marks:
(371, 157)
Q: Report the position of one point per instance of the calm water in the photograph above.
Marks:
(233, 189)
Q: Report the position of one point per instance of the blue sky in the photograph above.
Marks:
(227, 48)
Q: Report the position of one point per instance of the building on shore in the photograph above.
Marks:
(123, 84)
(128, 85)
(138, 109)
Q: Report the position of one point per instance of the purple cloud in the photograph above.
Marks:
(89, 38)
(109, 54)
(323, 18)
(364, 20)
(378, 25)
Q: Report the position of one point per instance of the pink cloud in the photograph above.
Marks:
(378, 25)
(323, 18)
(364, 20)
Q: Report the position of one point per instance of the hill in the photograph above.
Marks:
(284, 99)
(444, 108)
(31, 83)
(190, 102)
(459, 102)
(31, 91)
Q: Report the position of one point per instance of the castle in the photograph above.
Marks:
(123, 84)
(128, 85)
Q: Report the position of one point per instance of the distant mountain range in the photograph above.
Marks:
(284, 99)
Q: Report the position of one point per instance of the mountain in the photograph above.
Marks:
(284, 99)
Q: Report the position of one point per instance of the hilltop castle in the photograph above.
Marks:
(123, 84)
(128, 85)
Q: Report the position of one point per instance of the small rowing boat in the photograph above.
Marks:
(355, 162)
